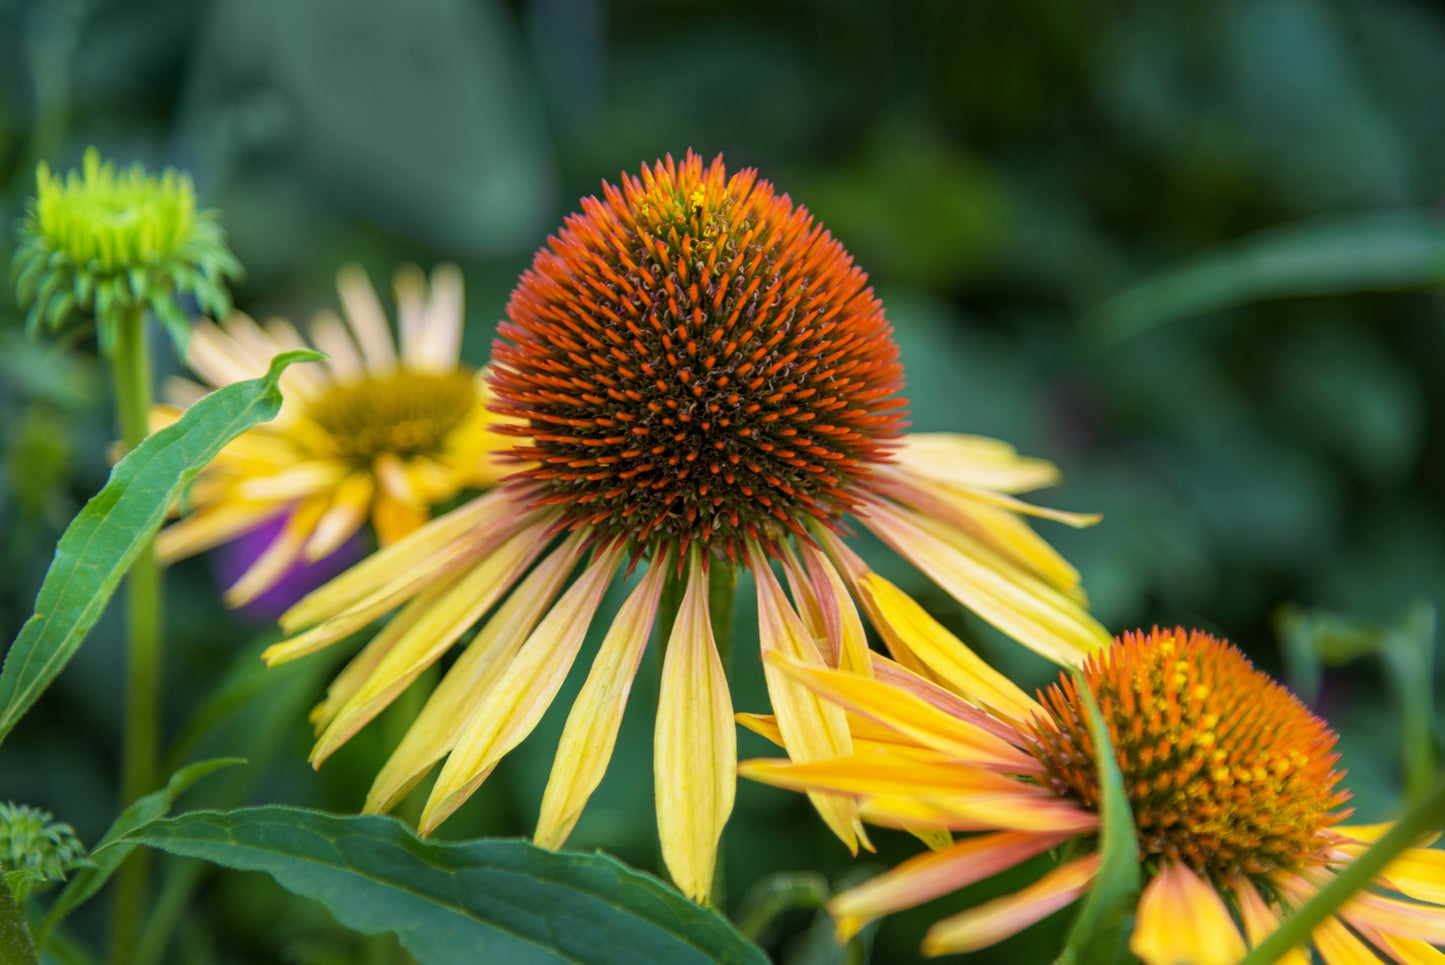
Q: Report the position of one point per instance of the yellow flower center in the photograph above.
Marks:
(405, 414)
(1225, 769)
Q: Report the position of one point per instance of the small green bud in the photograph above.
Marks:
(99, 240)
(35, 850)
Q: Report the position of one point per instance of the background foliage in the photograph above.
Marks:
(1058, 202)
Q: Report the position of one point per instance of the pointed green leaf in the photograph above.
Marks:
(106, 859)
(104, 539)
(1100, 933)
(1374, 251)
(459, 904)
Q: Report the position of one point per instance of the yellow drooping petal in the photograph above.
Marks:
(592, 726)
(813, 729)
(695, 747)
(993, 921)
(282, 554)
(1418, 873)
(1017, 602)
(523, 693)
(1183, 921)
(839, 614)
(350, 505)
(908, 715)
(1409, 951)
(1260, 921)
(947, 656)
(950, 457)
(212, 526)
(454, 532)
(471, 678)
(432, 633)
(930, 876)
(1337, 946)
(294, 482)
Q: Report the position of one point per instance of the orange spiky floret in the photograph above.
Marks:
(1224, 769)
(695, 358)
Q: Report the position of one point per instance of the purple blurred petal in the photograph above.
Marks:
(231, 560)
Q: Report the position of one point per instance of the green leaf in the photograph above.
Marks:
(1377, 251)
(106, 859)
(103, 540)
(458, 904)
(1100, 933)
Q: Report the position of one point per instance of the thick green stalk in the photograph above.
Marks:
(1295, 930)
(141, 738)
(16, 947)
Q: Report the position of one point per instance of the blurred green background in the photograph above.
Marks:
(1189, 251)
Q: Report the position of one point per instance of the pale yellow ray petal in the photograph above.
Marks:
(1337, 946)
(868, 737)
(1418, 873)
(459, 529)
(813, 729)
(350, 506)
(1409, 951)
(1015, 601)
(218, 357)
(896, 675)
(332, 337)
(181, 393)
(277, 559)
(433, 633)
(887, 775)
(909, 716)
(302, 479)
(472, 677)
(1260, 921)
(212, 526)
(840, 616)
(974, 461)
(993, 921)
(853, 570)
(368, 320)
(946, 655)
(444, 317)
(695, 744)
(596, 715)
(409, 284)
(523, 693)
(979, 812)
(1183, 921)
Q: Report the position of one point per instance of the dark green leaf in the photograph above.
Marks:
(106, 859)
(1100, 933)
(458, 904)
(102, 541)
(1370, 252)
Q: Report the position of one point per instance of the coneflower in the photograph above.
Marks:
(696, 375)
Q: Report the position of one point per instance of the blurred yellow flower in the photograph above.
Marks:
(1231, 781)
(698, 376)
(372, 434)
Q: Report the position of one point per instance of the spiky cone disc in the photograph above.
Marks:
(694, 358)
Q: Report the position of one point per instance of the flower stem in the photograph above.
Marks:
(16, 948)
(1295, 930)
(141, 739)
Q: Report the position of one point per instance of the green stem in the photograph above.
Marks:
(16, 948)
(1295, 930)
(141, 738)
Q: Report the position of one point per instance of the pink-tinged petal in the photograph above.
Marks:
(947, 656)
(853, 571)
(930, 876)
(813, 729)
(523, 694)
(868, 737)
(1183, 921)
(908, 715)
(1002, 918)
(596, 715)
(1392, 916)
(431, 633)
(695, 746)
(1012, 599)
(457, 532)
(472, 677)
(1337, 946)
(897, 675)
(1260, 921)
(368, 320)
(841, 622)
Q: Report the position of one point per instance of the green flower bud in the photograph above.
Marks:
(99, 241)
(35, 849)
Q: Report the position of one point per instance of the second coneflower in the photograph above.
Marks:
(1231, 782)
(696, 375)
(374, 434)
